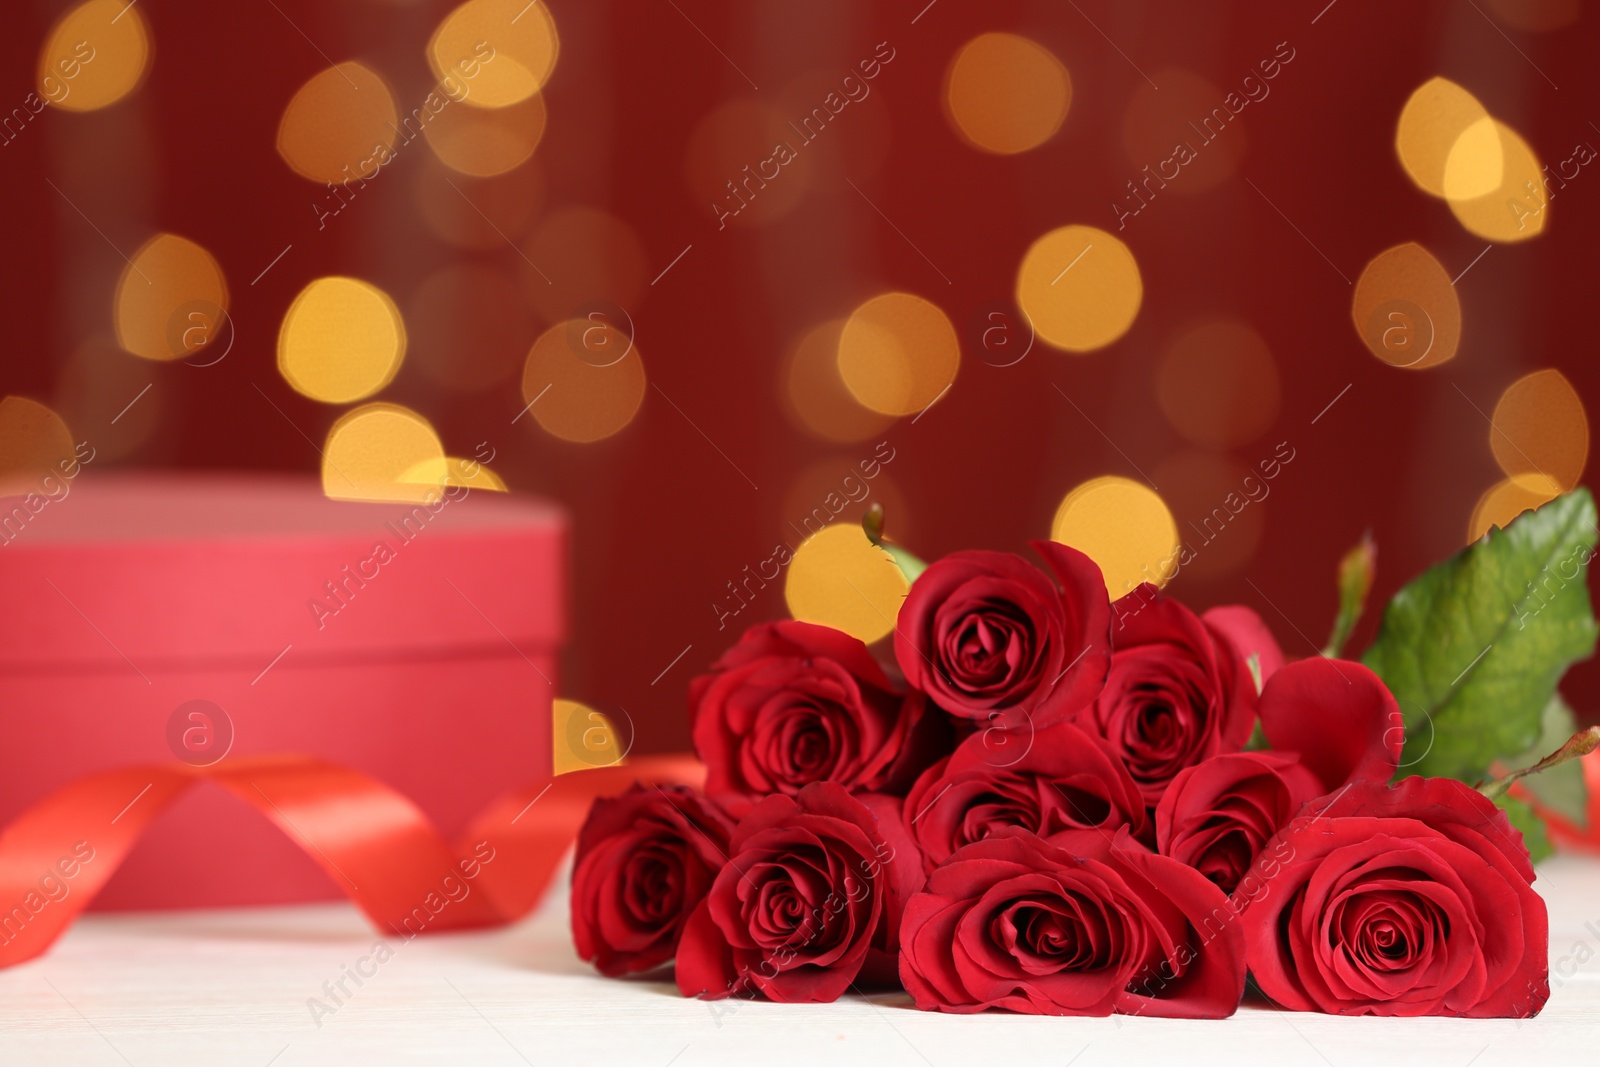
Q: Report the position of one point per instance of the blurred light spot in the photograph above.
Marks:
(95, 55)
(171, 300)
(483, 142)
(1080, 287)
(453, 471)
(500, 51)
(1536, 16)
(1406, 310)
(1476, 162)
(582, 256)
(1508, 499)
(1516, 209)
(478, 214)
(1220, 507)
(583, 738)
(1540, 434)
(1124, 526)
(748, 165)
(1185, 129)
(35, 444)
(342, 340)
(468, 327)
(1219, 385)
(100, 383)
(577, 385)
(898, 353)
(817, 398)
(339, 126)
(1433, 121)
(1006, 94)
(840, 579)
(371, 449)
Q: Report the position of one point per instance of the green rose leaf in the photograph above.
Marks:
(1531, 826)
(1474, 647)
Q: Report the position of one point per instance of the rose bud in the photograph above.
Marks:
(1055, 779)
(645, 861)
(1411, 899)
(794, 703)
(990, 637)
(1217, 815)
(808, 903)
(1176, 694)
(1078, 925)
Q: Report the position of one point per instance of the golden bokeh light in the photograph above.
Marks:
(371, 450)
(477, 213)
(1432, 122)
(838, 578)
(583, 380)
(35, 444)
(444, 471)
(485, 142)
(342, 340)
(1006, 94)
(96, 54)
(1476, 162)
(898, 353)
(583, 738)
(1406, 309)
(1507, 499)
(501, 51)
(1080, 287)
(815, 394)
(1516, 208)
(339, 126)
(1124, 526)
(601, 261)
(1218, 384)
(468, 327)
(171, 300)
(1540, 433)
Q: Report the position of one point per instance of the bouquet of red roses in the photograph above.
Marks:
(1056, 804)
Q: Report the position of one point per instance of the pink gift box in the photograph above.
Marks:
(153, 617)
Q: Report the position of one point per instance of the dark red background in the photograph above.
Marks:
(662, 520)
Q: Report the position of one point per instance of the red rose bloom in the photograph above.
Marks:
(1080, 925)
(1330, 722)
(1055, 779)
(988, 636)
(809, 901)
(1176, 693)
(1217, 815)
(794, 703)
(1412, 899)
(645, 861)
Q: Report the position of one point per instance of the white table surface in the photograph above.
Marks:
(231, 987)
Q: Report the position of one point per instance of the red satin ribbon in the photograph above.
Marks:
(1564, 833)
(376, 845)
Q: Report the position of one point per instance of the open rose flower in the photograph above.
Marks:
(794, 703)
(1047, 781)
(808, 903)
(1079, 925)
(1177, 692)
(645, 861)
(988, 636)
(1411, 899)
(1217, 815)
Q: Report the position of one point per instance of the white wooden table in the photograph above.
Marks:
(232, 987)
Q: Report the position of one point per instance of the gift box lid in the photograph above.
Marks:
(130, 569)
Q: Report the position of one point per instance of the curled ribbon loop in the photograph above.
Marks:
(375, 844)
